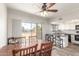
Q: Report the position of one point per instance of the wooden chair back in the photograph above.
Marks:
(46, 49)
(30, 51)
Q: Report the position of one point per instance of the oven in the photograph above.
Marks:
(76, 37)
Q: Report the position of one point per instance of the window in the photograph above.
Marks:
(32, 29)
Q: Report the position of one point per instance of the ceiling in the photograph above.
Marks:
(34, 8)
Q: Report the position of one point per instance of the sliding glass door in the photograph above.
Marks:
(32, 30)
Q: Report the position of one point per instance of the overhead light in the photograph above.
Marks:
(75, 20)
(44, 13)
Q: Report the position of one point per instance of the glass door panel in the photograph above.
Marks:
(26, 30)
(39, 31)
(33, 30)
(33, 33)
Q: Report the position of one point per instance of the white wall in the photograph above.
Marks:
(16, 28)
(3, 25)
(24, 17)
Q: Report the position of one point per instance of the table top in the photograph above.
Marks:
(7, 50)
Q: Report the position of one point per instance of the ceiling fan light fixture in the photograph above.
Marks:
(44, 13)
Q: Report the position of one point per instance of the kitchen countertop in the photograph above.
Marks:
(67, 32)
(71, 32)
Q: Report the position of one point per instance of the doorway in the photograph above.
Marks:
(32, 30)
(69, 38)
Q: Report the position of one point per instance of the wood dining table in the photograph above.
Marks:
(7, 50)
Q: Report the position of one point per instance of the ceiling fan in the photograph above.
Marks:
(47, 6)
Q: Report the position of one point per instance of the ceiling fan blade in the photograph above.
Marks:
(52, 10)
(44, 6)
(50, 5)
(41, 11)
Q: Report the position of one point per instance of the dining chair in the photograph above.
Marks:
(49, 37)
(46, 49)
(14, 40)
(29, 51)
